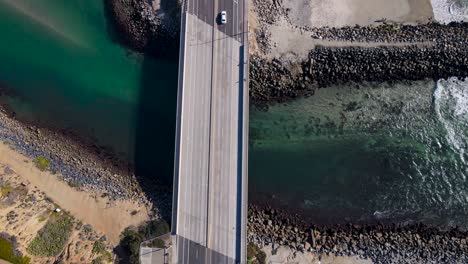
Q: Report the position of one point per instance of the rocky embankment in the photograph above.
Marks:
(82, 164)
(381, 243)
(151, 27)
(375, 53)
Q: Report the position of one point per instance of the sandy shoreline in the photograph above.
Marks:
(106, 216)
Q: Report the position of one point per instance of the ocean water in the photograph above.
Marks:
(369, 153)
(61, 66)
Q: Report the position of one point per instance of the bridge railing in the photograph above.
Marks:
(156, 250)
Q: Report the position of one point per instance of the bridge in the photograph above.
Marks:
(210, 176)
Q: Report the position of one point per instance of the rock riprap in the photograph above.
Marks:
(382, 243)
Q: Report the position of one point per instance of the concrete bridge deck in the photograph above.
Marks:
(210, 185)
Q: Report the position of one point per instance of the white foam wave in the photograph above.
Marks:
(451, 107)
(446, 11)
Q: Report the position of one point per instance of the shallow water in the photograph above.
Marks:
(380, 152)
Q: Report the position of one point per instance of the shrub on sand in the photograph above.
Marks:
(52, 238)
(42, 163)
(7, 252)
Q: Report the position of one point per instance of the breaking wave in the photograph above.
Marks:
(451, 106)
(446, 11)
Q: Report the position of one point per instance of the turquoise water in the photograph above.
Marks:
(62, 61)
(377, 152)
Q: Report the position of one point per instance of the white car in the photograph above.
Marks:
(223, 17)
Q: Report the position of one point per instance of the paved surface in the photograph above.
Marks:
(210, 186)
(152, 255)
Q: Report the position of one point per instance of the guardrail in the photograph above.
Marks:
(150, 253)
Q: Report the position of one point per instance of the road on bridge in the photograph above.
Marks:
(210, 185)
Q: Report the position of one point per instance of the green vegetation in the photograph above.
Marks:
(132, 237)
(74, 184)
(130, 242)
(255, 255)
(52, 237)
(43, 163)
(5, 190)
(99, 247)
(157, 243)
(87, 229)
(106, 257)
(98, 260)
(153, 229)
(7, 253)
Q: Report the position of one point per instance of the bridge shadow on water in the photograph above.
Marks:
(155, 131)
(154, 138)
